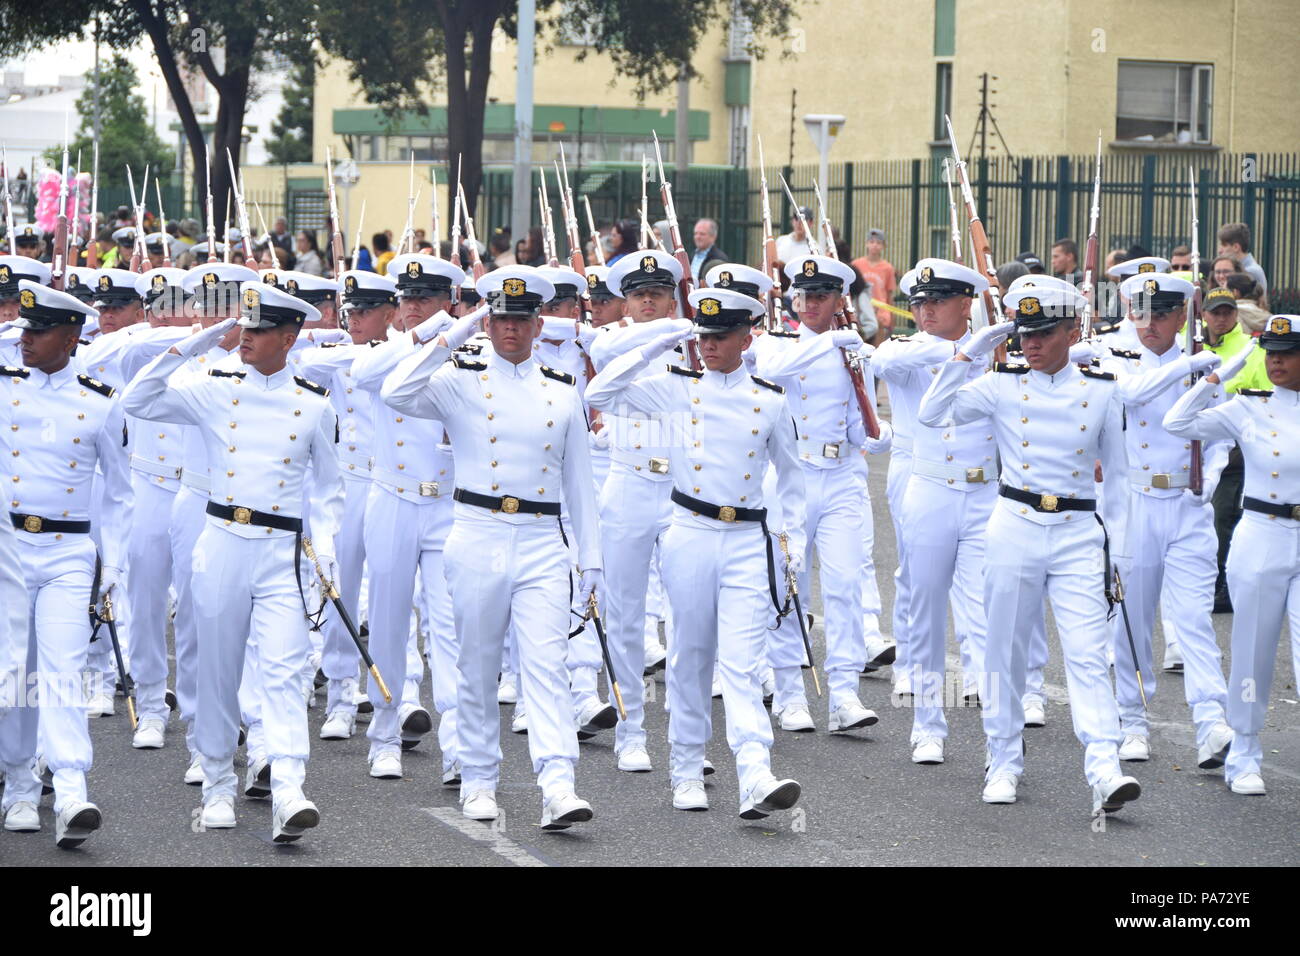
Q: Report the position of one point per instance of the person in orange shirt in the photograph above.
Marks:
(880, 273)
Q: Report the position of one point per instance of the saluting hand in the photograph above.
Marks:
(204, 341)
(987, 339)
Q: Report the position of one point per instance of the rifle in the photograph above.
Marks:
(356, 246)
(455, 222)
(595, 236)
(548, 226)
(1092, 252)
(686, 283)
(646, 234)
(336, 240)
(477, 269)
(770, 268)
(92, 237)
(792, 593)
(212, 223)
(1193, 331)
(408, 234)
(225, 228)
(241, 210)
(846, 318)
(9, 205)
(333, 594)
(74, 234)
(162, 226)
(437, 224)
(139, 224)
(952, 215)
(59, 265)
(980, 250)
(576, 260)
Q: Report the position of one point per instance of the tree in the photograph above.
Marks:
(448, 43)
(126, 138)
(291, 132)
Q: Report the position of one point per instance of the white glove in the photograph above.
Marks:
(593, 579)
(866, 350)
(987, 339)
(463, 328)
(599, 439)
(330, 566)
(1204, 362)
(202, 342)
(433, 326)
(1229, 369)
(108, 579)
(846, 339)
(663, 343)
(876, 446)
(1083, 353)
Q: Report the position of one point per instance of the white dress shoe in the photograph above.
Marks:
(797, 720)
(150, 734)
(519, 723)
(928, 750)
(1035, 713)
(23, 818)
(595, 716)
(1001, 788)
(480, 805)
(655, 658)
(634, 759)
(508, 689)
(1214, 752)
(851, 715)
(1248, 784)
(338, 725)
(451, 776)
(1111, 795)
(100, 705)
(880, 653)
(901, 692)
(768, 797)
(386, 765)
(708, 767)
(1173, 662)
(415, 722)
(75, 823)
(1135, 747)
(257, 781)
(690, 795)
(218, 813)
(194, 773)
(292, 819)
(564, 810)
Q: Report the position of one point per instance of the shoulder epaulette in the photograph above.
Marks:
(95, 385)
(556, 374)
(1126, 353)
(311, 386)
(682, 370)
(465, 363)
(331, 345)
(471, 348)
(14, 371)
(766, 384)
(783, 334)
(1105, 329)
(1256, 392)
(1010, 367)
(223, 374)
(901, 337)
(1094, 373)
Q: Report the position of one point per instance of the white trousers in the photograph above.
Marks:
(340, 658)
(634, 514)
(13, 619)
(900, 472)
(1174, 553)
(402, 537)
(247, 602)
(54, 645)
(945, 530)
(1025, 562)
(501, 574)
(149, 556)
(717, 583)
(101, 660)
(1264, 583)
(187, 523)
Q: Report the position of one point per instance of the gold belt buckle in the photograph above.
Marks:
(428, 489)
(831, 451)
(659, 466)
(1049, 502)
(1161, 480)
(243, 516)
(1295, 512)
(510, 505)
(975, 475)
(727, 513)
(32, 524)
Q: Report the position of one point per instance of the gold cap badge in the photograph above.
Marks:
(27, 299)
(1030, 306)
(1147, 267)
(1279, 325)
(252, 298)
(926, 274)
(413, 270)
(648, 264)
(1151, 287)
(809, 268)
(513, 287)
(710, 306)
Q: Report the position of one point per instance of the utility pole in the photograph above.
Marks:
(683, 131)
(521, 195)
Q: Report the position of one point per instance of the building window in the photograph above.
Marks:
(942, 99)
(1164, 102)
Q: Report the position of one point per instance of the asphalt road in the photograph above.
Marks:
(864, 801)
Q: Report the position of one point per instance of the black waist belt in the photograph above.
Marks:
(35, 524)
(1047, 504)
(719, 512)
(259, 518)
(729, 514)
(506, 503)
(1247, 504)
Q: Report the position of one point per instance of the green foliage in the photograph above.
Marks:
(291, 132)
(126, 138)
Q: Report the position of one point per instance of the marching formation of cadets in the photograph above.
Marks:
(526, 493)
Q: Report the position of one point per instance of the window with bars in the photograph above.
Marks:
(1164, 102)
